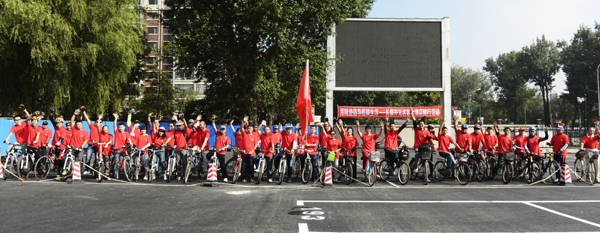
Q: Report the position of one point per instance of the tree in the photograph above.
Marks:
(539, 63)
(580, 59)
(506, 76)
(474, 86)
(253, 53)
(159, 96)
(68, 53)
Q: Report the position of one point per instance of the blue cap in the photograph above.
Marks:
(131, 111)
(289, 125)
(464, 126)
(532, 128)
(560, 128)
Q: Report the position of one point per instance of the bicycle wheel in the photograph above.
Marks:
(403, 173)
(412, 164)
(21, 170)
(306, 172)
(462, 175)
(349, 171)
(200, 168)
(281, 170)
(170, 168)
(8, 163)
(519, 169)
(426, 173)
(554, 170)
(507, 172)
(230, 166)
(535, 173)
(371, 174)
(490, 168)
(579, 169)
(261, 171)
(297, 170)
(128, 169)
(69, 169)
(42, 168)
(236, 171)
(591, 172)
(99, 168)
(187, 172)
(440, 171)
(479, 172)
(385, 170)
(595, 172)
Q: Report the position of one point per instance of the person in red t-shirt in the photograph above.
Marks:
(33, 136)
(222, 142)
(121, 139)
(325, 129)
(560, 142)
(170, 134)
(267, 147)
(193, 140)
(160, 142)
(491, 142)
(589, 142)
(312, 141)
(107, 138)
(443, 148)
(202, 134)
(350, 143)
(143, 142)
(289, 142)
(463, 138)
(520, 143)
(250, 143)
(368, 141)
(334, 145)
(431, 130)
(422, 136)
(391, 142)
(92, 148)
(477, 139)
(45, 136)
(505, 145)
(17, 130)
(79, 138)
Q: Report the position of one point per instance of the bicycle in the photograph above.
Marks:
(507, 166)
(418, 168)
(194, 164)
(69, 160)
(401, 168)
(551, 166)
(25, 162)
(260, 168)
(128, 165)
(370, 171)
(529, 169)
(491, 161)
(171, 166)
(477, 165)
(99, 161)
(346, 165)
(13, 152)
(45, 163)
(154, 161)
(461, 170)
(592, 169)
(235, 165)
(282, 164)
(308, 168)
(579, 164)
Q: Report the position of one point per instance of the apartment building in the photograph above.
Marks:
(159, 35)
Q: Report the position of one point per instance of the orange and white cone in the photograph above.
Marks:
(212, 172)
(565, 174)
(1, 173)
(328, 178)
(76, 172)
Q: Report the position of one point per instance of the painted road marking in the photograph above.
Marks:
(562, 214)
(301, 202)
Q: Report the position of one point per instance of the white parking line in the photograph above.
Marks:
(301, 202)
(562, 214)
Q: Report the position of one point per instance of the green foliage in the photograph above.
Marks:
(68, 53)
(539, 64)
(253, 53)
(472, 86)
(158, 97)
(580, 59)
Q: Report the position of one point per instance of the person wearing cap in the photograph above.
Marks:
(490, 143)
(589, 142)
(477, 139)
(143, 141)
(160, 142)
(45, 136)
(505, 145)
(192, 141)
(463, 139)
(250, 143)
(349, 142)
(94, 137)
(289, 142)
(268, 147)
(18, 129)
(221, 142)
(520, 143)
(277, 141)
(133, 128)
(33, 136)
(121, 138)
(59, 132)
(202, 134)
(181, 134)
(532, 143)
(559, 143)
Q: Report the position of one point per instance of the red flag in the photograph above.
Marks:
(303, 106)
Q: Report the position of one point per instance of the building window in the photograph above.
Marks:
(167, 31)
(152, 16)
(184, 75)
(150, 61)
(185, 86)
(152, 2)
(200, 88)
(167, 60)
(152, 30)
(151, 44)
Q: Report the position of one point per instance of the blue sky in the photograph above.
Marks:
(482, 29)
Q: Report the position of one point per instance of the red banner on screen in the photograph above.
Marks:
(391, 112)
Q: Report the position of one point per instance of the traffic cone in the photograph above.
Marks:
(328, 178)
(212, 176)
(76, 178)
(565, 174)
(1, 174)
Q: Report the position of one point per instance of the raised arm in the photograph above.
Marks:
(381, 130)
(115, 122)
(340, 127)
(129, 117)
(403, 126)
(77, 111)
(262, 124)
(455, 122)
(86, 117)
(496, 129)
(412, 115)
(358, 129)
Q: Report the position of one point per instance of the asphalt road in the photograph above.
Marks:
(111, 206)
